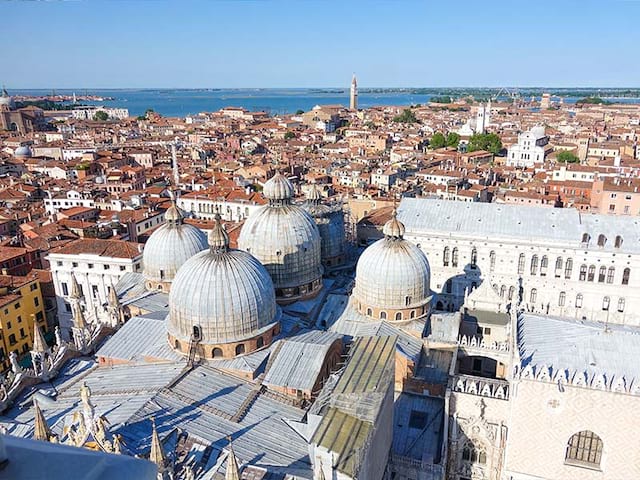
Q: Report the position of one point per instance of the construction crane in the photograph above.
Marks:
(512, 93)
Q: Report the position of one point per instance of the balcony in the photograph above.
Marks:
(483, 387)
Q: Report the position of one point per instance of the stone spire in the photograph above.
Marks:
(233, 471)
(218, 236)
(76, 294)
(39, 344)
(114, 307)
(78, 319)
(156, 455)
(40, 429)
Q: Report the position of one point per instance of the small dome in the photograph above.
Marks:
(393, 274)
(218, 236)
(394, 228)
(169, 247)
(173, 214)
(23, 152)
(278, 188)
(224, 292)
(314, 194)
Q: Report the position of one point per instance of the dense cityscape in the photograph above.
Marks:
(320, 240)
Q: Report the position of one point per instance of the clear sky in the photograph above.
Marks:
(319, 43)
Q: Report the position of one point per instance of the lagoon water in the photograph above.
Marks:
(182, 102)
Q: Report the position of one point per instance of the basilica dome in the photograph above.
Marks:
(393, 278)
(285, 239)
(168, 248)
(22, 152)
(224, 299)
(330, 223)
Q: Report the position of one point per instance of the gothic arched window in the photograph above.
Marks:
(544, 263)
(602, 240)
(583, 273)
(584, 448)
(474, 257)
(618, 242)
(534, 265)
(602, 274)
(454, 257)
(592, 273)
(611, 274)
(473, 454)
(558, 267)
(533, 296)
(521, 264)
(568, 268)
(492, 261)
(445, 257)
(625, 276)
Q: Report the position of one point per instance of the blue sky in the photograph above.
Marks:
(318, 43)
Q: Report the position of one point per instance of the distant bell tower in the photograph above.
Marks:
(353, 98)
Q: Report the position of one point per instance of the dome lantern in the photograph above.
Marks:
(218, 236)
(278, 190)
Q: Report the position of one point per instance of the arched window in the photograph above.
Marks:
(611, 274)
(605, 303)
(625, 276)
(544, 263)
(602, 240)
(383, 315)
(618, 242)
(474, 257)
(398, 316)
(369, 312)
(592, 273)
(568, 268)
(454, 257)
(473, 454)
(511, 291)
(562, 299)
(621, 304)
(521, 264)
(583, 273)
(503, 290)
(579, 300)
(445, 257)
(584, 448)
(558, 267)
(240, 349)
(176, 344)
(602, 274)
(407, 300)
(413, 314)
(216, 353)
(492, 261)
(533, 296)
(586, 238)
(534, 265)
(260, 342)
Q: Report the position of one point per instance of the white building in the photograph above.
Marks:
(206, 207)
(530, 148)
(63, 200)
(557, 261)
(97, 265)
(87, 113)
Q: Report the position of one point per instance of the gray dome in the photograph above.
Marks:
(23, 152)
(278, 187)
(170, 246)
(226, 292)
(393, 273)
(330, 223)
(287, 242)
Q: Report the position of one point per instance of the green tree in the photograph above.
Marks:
(567, 157)
(407, 116)
(299, 112)
(453, 140)
(485, 141)
(437, 141)
(101, 116)
(289, 135)
(440, 99)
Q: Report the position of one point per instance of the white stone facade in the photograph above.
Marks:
(529, 150)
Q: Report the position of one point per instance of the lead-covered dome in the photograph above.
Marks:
(224, 299)
(168, 248)
(330, 223)
(393, 277)
(23, 152)
(285, 239)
